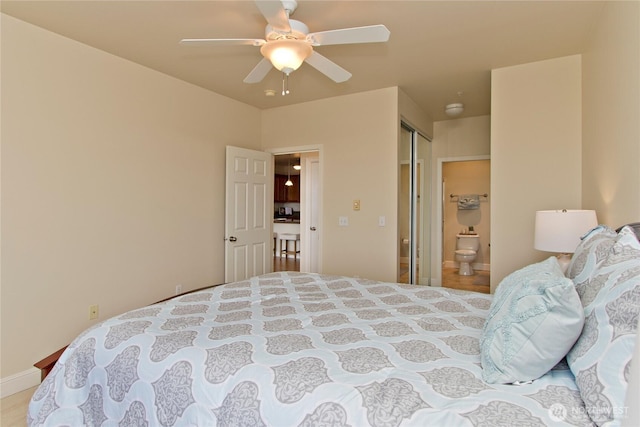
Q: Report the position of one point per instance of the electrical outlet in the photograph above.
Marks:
(93, 312)
(178, 289)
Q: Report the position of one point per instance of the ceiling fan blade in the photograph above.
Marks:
(259, 72)
(328, 68)
(225, 42)
(274, 13)
(369, 34)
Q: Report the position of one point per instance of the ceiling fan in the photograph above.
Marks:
(288, 43)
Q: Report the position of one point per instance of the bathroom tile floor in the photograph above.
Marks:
(478, 282)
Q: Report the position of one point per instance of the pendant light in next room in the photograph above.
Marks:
(288, 183)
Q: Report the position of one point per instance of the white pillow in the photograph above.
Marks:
(534, 320)
(601, 358)
(592, 250)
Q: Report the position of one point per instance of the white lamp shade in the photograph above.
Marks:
(286, 55)
(560, 231)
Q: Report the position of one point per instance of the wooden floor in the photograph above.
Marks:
(286, 264)
(13, 409)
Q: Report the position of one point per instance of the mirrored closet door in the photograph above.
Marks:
(414, 255)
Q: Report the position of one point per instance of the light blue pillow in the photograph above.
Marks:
(601, 357)
(592, 250)
(534, 320)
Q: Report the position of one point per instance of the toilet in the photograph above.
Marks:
(466, 250)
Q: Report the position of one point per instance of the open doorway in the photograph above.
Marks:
(287, 210)
(466, 232)
(296, 224)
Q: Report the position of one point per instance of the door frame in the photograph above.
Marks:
(438, 225)
(305, 260)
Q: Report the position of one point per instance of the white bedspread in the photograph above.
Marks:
(290, 349)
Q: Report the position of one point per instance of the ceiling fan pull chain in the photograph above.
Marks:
(285, 84)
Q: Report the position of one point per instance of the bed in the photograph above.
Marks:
(301, 349)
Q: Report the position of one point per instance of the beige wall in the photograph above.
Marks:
(470, 136)
(535, 154)
(611, 116)
(531, 119)
(359, 139)
(112, 187)
(358, 135)
(411, 113)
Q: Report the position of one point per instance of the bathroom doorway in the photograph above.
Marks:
(465, 213)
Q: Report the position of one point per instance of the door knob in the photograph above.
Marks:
(312, 228)
(233, 239)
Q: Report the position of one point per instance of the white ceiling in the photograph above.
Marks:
(436, 49)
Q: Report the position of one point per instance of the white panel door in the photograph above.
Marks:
(314, 215)
(248, 214)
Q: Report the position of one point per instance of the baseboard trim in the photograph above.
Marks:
(18, 382)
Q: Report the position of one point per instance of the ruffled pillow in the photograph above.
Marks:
(534, 319)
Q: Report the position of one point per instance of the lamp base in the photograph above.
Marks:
(564, 260)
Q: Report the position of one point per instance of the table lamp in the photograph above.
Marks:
(560, 231)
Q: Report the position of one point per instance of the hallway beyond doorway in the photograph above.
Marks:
(286, 264)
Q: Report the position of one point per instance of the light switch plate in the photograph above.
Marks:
(356, 205)
(343, 221)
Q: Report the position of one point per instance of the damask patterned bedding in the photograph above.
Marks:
(296, 349)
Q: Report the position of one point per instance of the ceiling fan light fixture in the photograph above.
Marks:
(454, 109)
(286, 55)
